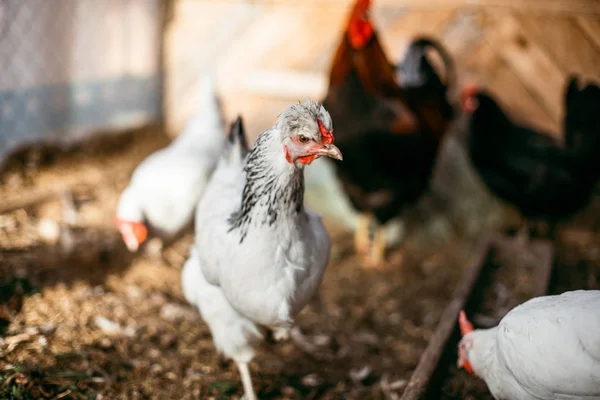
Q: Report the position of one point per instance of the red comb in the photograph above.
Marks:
(470, 89)
(465, 325)
(326, 135)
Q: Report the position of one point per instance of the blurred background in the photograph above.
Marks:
(89, 88)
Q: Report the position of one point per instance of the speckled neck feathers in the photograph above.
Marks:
(274, 189)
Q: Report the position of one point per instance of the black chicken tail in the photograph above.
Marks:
(418, 71)
(237, 142)
(582, 122)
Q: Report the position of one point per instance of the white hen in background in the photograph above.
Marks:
(261, 254)
(166, 187)
(546, 348)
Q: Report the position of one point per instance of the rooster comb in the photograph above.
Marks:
(362, 6)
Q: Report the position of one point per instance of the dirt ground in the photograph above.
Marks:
(81, 318)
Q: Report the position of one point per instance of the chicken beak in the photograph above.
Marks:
(133, 233)
(465, 325)
(131, 242)
(331, 151)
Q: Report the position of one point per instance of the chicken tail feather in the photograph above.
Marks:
(237, 138)
(209, 104)
(415, 55)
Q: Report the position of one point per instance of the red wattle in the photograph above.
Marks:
(288, 156)
(307, 159)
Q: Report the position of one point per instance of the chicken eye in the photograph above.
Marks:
(303, 139)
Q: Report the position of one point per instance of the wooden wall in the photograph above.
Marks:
(271, 53)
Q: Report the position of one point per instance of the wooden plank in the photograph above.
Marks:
(259, 112)
(284, 84)
(37, 196)
(565, 42)
(590, 25)
(396, 38)
(532, 65)
(432, 354)
(195, 38)
(314, 30)
(462, 32)
(534, 6)
(476, 61)
(273, 41)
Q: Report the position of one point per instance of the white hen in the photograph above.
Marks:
(547, 348)
(261, 253)
(166, 187)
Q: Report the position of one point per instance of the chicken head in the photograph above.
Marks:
(308, 133)
(466, 344)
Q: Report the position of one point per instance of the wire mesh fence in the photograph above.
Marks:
(70, 68)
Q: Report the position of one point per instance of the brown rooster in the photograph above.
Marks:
(388, 145)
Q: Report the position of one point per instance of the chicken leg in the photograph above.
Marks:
(376, 255)
(246, 381)
(362, 240)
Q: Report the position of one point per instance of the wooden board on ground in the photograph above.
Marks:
(432, 370)
(430, 358)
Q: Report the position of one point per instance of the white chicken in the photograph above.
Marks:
(546, 348)
(166, 187)
(260, 255)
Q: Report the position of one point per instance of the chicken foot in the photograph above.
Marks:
(362, 238)
(246, 381)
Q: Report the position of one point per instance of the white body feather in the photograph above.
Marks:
(545, 349)
(232, 333)
(166, 187)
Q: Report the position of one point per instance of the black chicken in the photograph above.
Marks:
(388, 143)
(544, 178)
